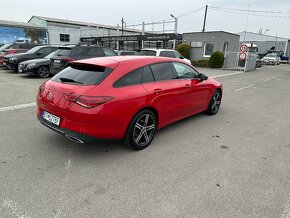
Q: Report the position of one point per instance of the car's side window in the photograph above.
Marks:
(109, 52)
(162, 71)
(45, 51)
(169, 54)
(177, 54)
(130, 79)
(184, 71)
(147, 76)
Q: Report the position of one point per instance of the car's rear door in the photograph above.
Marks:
(164, 91)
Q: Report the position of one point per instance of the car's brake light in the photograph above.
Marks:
(41, 89)
(87, 101)
(66, 59)
(70, 97)
(92, 101)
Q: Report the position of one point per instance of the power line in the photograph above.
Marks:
(257, 15)
(192, 12)
(248, 10)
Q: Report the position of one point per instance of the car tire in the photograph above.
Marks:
(215, 103)
(43, 72)
(141, 130)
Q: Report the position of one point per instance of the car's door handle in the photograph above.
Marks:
(157, 91)
(187, 86)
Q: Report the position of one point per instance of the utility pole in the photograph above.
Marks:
(175, 29)
(205, 15)
(122, 26)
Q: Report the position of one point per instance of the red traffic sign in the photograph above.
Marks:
(243, 56)
(243, 48)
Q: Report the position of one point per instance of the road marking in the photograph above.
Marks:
(245, 87)
(228, 74)
(16, 107)
(13, 208)
(274, 77)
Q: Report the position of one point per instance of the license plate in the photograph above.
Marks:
(4, 64)
(20, 70)
(51, 118)
(57, 61)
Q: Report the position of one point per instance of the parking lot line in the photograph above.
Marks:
(245, 87)
(228, 74)
(16, 107)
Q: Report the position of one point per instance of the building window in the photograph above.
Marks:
(64, 37)
(208, 49)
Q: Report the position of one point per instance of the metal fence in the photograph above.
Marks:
(233, 62)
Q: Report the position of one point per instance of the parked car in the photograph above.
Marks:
(38, 67)
(125, 53)
(127, 97)
(66, 54)
(258, 62)
(10, 48)
(164, 53)
(272, 59)
(12, 61)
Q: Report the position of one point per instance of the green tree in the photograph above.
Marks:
(216, 60)
(184, 50)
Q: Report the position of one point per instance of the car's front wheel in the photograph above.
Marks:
(141, 130)
(215, 103)
(43, 72)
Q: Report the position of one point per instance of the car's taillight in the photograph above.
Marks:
(41, 89)
(66, 59)
(87, 101)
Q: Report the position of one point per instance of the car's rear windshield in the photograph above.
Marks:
(148, 53)
(63, 52)
(82, 75)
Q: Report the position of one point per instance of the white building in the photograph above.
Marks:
(60, 31)
(266, 42)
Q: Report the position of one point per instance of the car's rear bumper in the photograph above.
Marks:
(72, 135)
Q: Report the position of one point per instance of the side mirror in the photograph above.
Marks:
(181, 57)
(39, 53)
(202, 77)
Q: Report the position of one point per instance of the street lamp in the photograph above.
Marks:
(175, 29)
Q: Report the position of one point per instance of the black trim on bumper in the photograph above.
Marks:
(74, 136)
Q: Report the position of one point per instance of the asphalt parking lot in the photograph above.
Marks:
(234, 164)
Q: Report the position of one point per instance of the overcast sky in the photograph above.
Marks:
(110, 12)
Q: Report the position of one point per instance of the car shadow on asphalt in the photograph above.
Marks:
(59, 143)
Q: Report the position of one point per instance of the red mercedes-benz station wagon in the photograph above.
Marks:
(124, 97)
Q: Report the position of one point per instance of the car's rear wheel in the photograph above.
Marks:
(141, 130)
(43, 72)
(215, 103)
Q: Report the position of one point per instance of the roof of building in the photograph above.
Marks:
(221, 31)
(17, 24)
(80, 23)
(250, 36)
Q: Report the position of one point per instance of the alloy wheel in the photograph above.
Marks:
(43, 72)
(144, 130)
(216, 102)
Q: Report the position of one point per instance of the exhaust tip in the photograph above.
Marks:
(74, 139)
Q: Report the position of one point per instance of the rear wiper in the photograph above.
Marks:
(69, 80)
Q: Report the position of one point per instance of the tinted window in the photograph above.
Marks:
(127, 53)
(132, 78)
(33, 50)
(184, 71)
(98, 52)
(162, 71)
(169, 54)
(109, 52)
(148, 53)
(177, 54)
(45, 51)
(63, 52)
(147, 75)
(82, 75)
